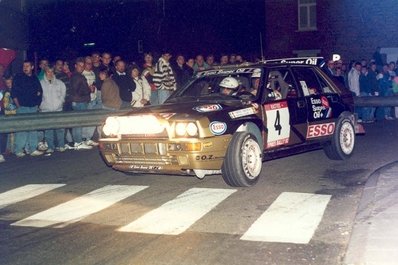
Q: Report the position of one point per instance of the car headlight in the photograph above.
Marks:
(111, 126)
(183, 129)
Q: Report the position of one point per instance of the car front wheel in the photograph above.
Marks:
(243, 161)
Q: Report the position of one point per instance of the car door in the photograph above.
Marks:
(285, 109)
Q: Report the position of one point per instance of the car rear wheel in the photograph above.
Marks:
(243, 161)
(342, 144)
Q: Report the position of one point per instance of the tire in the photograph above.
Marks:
(243, 161)
(342, 144)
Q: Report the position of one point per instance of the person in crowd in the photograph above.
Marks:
(339, 76)
(27, 95)
(224, 60)
(142, 92)
(2, 70)
(88, 132)
(9, 109)
(66, 69)
(353, 78)
(96, 60)
(125, 84)
(43, 64)
(106, 60)
(190, 62)
(365, 90)
(109, 91)
(239, 59)
(3, 136)
(80, 95)
(391, 69)
(353, 84)
(164, 78)
(148, 72)
(200, 64)
(385, 85)
(329, 69)
(54, 92)
(210, 61)
(378, 59)
(232, 58)
(181, 71)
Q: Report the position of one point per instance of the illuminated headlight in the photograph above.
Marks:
(111, 126)
(183, 129)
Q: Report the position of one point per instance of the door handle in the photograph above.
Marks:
(301, 104)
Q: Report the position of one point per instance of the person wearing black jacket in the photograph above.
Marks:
(124, 82)
(27, 94)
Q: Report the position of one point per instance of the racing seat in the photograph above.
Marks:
(277, 82)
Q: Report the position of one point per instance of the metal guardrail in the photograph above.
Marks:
(54, 120)
(70, 119)
(390, 101)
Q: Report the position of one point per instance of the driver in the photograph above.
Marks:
(255, 79)
(229, 86)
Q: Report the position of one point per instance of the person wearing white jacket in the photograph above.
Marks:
(142, 92)
(53, 99)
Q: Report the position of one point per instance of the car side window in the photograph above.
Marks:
(326, 88)
(308, 80)
(280, 84)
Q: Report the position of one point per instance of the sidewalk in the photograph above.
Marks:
(374, 239)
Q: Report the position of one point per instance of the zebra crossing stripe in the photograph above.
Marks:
(25, 192)
(291, 218)
(80, 207)
(177, 215)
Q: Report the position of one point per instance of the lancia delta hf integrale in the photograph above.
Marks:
(229, 120)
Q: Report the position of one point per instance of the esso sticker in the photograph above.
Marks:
(208, 108)
(318, 130)
(217, 127)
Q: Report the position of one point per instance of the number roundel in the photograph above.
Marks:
(278, 123)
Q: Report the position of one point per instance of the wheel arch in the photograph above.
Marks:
(254, 129)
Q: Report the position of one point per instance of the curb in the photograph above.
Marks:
(355, 254)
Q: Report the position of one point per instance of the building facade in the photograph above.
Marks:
(351, 28)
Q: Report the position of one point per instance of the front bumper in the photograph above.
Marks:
(178, 156)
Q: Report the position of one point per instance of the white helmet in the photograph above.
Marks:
(229, 82)
(256, 73)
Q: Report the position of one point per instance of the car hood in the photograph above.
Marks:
(191, 109)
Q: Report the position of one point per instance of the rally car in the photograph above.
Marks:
(230, 120)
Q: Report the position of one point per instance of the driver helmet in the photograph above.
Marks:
(256, 73)
(230, 83)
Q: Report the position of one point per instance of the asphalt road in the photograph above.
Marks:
(300, 212)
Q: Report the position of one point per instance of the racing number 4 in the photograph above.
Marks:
(277, 123)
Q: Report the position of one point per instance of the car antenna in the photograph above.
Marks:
(261, 47)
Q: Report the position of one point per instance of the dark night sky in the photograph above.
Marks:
(186, 26)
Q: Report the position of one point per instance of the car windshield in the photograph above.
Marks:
(215, 84)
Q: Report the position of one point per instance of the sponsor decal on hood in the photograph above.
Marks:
(218, 127)
(208, 108)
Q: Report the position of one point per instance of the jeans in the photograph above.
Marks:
(26, 140)
(367, 112)
(154, 100)
(164, 94)
(60, 140)
(77, 132)
(88, 132)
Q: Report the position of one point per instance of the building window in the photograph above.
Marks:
(306, 15)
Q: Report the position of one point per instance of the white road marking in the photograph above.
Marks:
(25, 192)
(177, 215)
(77, 209)
(292, 218)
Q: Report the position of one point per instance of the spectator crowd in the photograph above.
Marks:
(103, 81)
(98, 81)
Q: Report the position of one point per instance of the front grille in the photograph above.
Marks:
(141, 148)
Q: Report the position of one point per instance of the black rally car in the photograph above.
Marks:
(229, 120)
